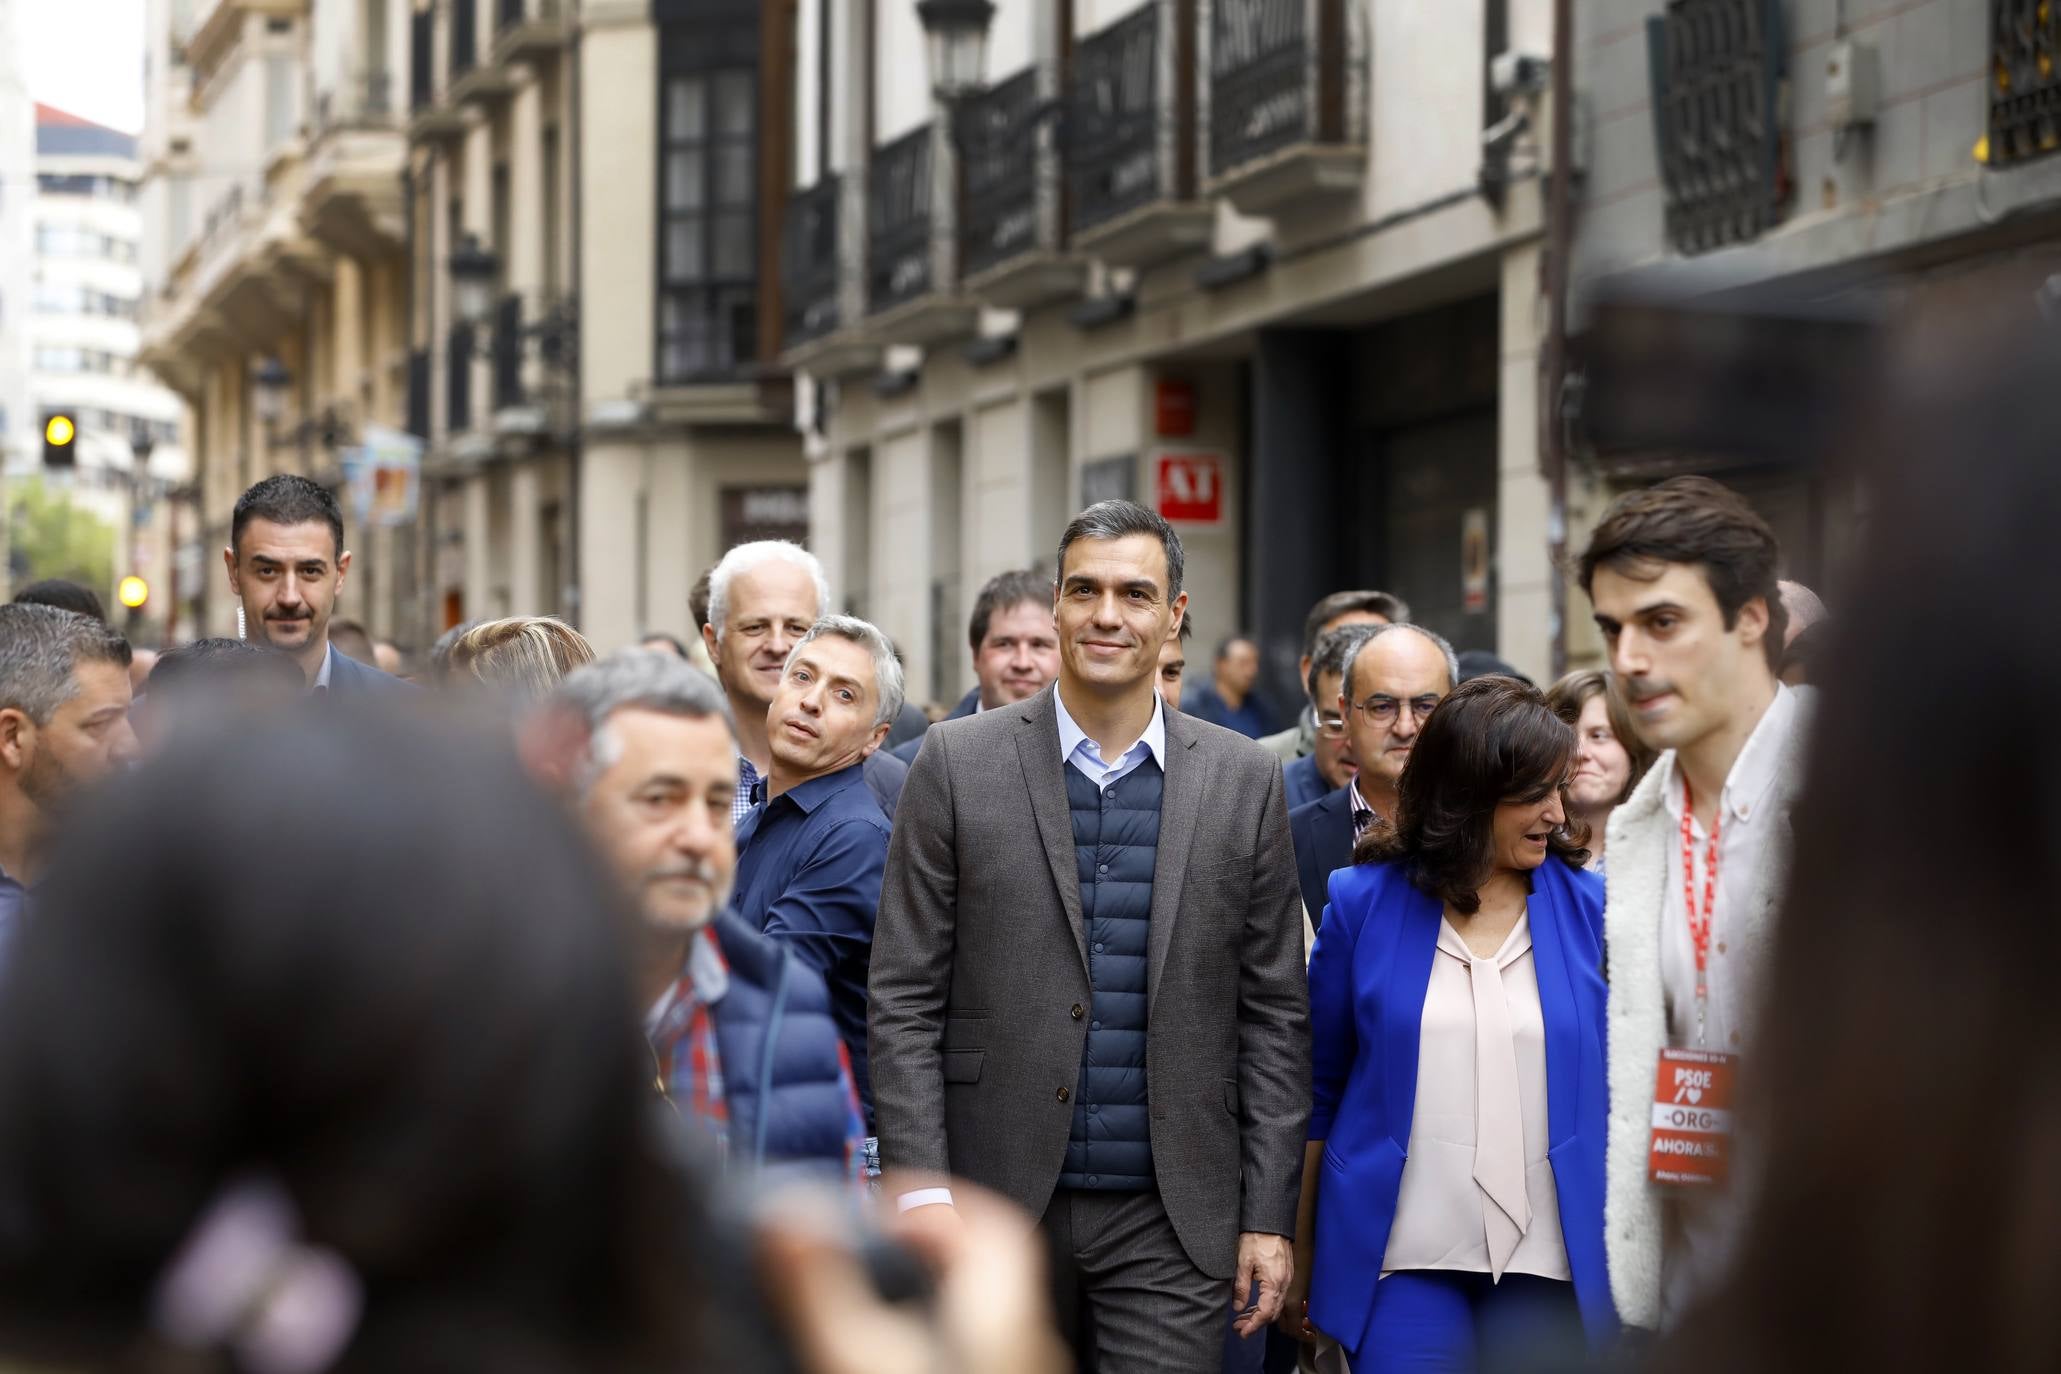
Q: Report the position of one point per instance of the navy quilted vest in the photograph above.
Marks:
(1115, 841)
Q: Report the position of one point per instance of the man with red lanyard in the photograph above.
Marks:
(1682, 578)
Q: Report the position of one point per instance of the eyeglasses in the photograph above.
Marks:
(1330, 724)
(1383, 710)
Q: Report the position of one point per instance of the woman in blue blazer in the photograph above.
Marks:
(1452, 1200)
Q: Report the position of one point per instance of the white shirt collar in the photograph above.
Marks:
(1071, 736)
(322, 673)
(1753, 772)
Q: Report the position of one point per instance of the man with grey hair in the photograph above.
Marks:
(763, 597)
(740, 1028)
(64, 723)
(1392, 677)
(812, 854)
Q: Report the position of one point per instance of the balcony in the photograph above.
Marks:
(1286, 104)
(351, 201)
(509, 392)
(471, 82)
(1009, 225)
(1130, 123)
(909, 247)
(1720, 120)
(813, 335)
(429, 120)
(418, 393)
(458, 351)
(527, 28)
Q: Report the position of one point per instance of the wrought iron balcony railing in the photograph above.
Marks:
(898, 208)
(1719, 75)
(998, 129)
(1276, 78)
(1126, 130)
(809, 263)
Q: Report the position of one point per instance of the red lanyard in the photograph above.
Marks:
(1699, 918)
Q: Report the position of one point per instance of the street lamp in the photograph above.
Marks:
(956, 45)
(473, 271)
(270, 380)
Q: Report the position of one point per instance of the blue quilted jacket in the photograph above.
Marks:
(786, 1073)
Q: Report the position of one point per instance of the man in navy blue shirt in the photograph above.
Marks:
(1228, 698)
(811, 855)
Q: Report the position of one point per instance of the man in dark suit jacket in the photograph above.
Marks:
(1015, 648)
(287, 564)
(1102, 1014)
(1323, 832)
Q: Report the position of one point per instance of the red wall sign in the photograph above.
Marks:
(1191, 488)
(1173, 405)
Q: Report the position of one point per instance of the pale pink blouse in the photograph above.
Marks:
(1477, 1190)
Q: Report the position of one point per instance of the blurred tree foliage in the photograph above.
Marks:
(49, 536)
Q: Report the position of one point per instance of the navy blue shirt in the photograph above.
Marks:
(12, 898)
(1252, 718)
(808, 872)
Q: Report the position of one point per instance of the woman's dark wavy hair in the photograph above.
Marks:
(1492, 740)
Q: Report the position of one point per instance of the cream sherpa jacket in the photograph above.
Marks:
(1641, 839)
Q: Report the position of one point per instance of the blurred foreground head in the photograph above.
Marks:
(402, 1010)
(1909, 1067)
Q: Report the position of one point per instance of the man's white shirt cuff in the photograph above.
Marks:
(923, 1197)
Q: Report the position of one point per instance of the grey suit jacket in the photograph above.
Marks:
(980, 979)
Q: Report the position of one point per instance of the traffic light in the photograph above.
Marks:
(132, 592)
(60, 440)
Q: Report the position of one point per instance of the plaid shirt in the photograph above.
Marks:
(747, 791)
(682, 1030)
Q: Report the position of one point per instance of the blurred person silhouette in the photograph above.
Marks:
(1231, 697)
(64, 723)
(398, 1122)
(1452, 1189)
(1906, 1102)
(208, 680)
(440, 652)
(350, 638)
(142, 662)
(404, 1122)
(1610, 759)
(522, 658)
(387, 657)
(664, 644)
(66, 596)
(740, 1025)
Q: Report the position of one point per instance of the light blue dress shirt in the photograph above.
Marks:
(1083, 753)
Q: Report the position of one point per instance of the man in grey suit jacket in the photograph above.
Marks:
(1103, 1014)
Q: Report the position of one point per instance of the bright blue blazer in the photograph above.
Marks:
(1368, 975)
